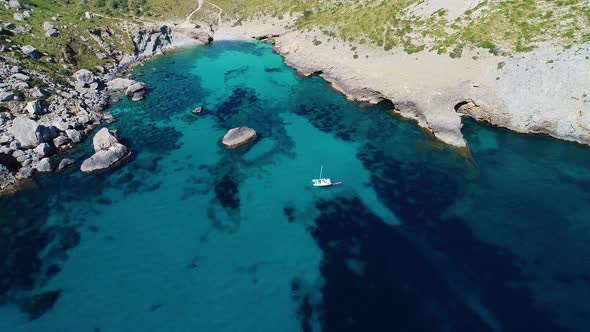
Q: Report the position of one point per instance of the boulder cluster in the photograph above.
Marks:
(41, 115)
(108, 151)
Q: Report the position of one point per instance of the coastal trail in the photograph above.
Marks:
(188, 18)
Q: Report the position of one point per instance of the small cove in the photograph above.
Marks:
(190, 236)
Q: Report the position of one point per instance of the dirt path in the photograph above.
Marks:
(188, 18)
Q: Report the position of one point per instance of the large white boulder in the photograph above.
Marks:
(84, 77)
(119, 84)
(103, 140)
(104, 159)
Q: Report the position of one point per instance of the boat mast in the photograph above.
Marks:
(321, 170)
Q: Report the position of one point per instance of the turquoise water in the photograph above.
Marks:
(190, 236)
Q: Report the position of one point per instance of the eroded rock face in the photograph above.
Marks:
(108, 152)
(236, 137)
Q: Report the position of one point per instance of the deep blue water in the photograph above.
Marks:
(190, 236)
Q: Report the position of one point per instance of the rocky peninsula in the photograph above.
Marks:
(544, 91)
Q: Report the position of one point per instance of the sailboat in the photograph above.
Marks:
(321, 182)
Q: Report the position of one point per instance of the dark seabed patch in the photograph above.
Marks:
(37, 305)
(402, 288)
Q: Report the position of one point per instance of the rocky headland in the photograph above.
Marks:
(544, 91)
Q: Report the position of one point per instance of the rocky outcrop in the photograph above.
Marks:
(119, 84)
(236, 137)
(31, 52)
(84, 77)
(50, 30)
(108, 151)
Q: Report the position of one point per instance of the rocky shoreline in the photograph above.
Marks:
(543, 91)
(36, 123)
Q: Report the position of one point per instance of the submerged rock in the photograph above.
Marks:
(64, 163)
(236, 137)
(37, 305)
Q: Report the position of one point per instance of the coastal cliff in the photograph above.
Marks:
(542, 91)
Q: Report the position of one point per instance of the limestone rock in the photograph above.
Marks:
(30, 134)
(84, 77)
(14, 4)
(119, 84)
(108, 152)
(136, 91)
(236, 137)
(30, 51)
(25, 131)
(6, 96)
(34, 107)
(74, 135)
(18, 17)
(44, 165)
(104, 159)
(51, 33)
(103, 140)
(48, 26)
(43, 150)
(4, 139)
(61, 141)
(20, 77)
